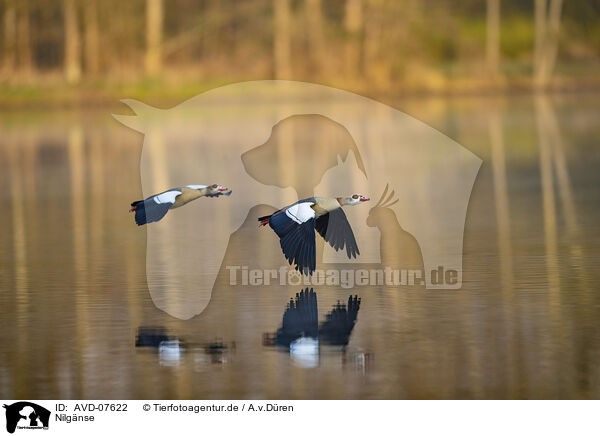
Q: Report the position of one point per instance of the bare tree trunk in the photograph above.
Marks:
(154, 27)
(552, 39)
(23, 38)
(214, 13)
(10, 36)
(281, 39)
(540, 31)
(370, 41)
(353, 22)
(314, 15)
(72, 42)
(92, 51)
(546, 40)
(493, 37)
(376, 63)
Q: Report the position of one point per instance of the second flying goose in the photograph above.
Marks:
(155, 207)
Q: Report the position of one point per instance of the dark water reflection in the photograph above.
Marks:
(525, 324)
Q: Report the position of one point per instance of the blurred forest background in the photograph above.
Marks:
(64, 51)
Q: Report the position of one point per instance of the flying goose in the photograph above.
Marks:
(295, 225)
(155, 207)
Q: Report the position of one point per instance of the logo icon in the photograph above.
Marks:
(26, 415)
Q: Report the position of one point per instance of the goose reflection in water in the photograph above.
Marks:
(216, 351)
(172, 350)
(300, 331)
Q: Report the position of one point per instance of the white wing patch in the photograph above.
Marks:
(300, 213)
(305, 346)
(305, 352)
(196, 186)
(166, 197)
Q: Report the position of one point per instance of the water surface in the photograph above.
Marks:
(526, 324)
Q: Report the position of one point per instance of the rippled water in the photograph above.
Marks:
(525, 324)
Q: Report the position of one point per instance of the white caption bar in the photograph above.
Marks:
(299, 417)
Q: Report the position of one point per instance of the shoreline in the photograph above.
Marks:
(162, 93)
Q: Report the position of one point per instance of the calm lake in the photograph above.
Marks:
(74, 296)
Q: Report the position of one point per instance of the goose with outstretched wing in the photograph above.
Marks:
(153, 208)
(295, 225)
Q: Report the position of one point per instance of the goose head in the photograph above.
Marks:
(354, 199)
(216, 189)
